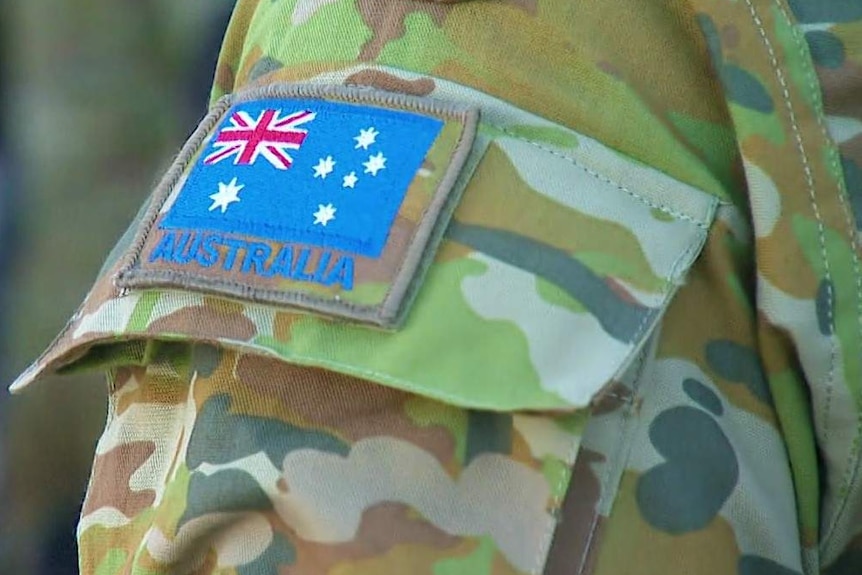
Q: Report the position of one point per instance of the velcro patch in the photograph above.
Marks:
(321, 197)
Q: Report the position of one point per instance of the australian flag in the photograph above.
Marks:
(308, 171)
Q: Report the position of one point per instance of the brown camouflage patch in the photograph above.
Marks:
(120, 464)
(352, 408)
(224, 78)
(199, 320)
(386, 20)
(388, 525)
(384, 81)
(580, 523)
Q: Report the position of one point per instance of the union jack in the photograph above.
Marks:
(270, 136)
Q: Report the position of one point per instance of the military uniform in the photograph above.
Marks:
(521, 286)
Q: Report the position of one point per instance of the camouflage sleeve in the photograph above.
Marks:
(629, 318)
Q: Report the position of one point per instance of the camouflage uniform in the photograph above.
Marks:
(635, 349)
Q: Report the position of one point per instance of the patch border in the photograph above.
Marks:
(390, 313)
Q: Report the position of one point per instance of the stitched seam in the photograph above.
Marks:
(426, 106)
(566, 473)
(668, 294)
(605, 179)
(300, 359)
(812, 194)
(216, 114)
(815, 93)
(280, 90)
(615, 395)
(387, 378)
(851, 475)
(611, 465)
(322, 242)
(413, 239)
(648, 317)
(170, 181)
(144, 278)
(278, 228)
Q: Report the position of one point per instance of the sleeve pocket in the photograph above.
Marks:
(555, 268)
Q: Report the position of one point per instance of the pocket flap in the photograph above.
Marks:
(555, 263)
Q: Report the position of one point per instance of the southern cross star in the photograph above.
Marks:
(366, 138)
(375, 164)
(324, 214)
(324, 167)
(226, 195)
(350, 180)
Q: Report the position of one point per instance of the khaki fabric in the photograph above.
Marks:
(636, 348)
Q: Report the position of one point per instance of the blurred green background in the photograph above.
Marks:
(95, 97)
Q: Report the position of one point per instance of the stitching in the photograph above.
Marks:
(674, 270)
(348, 93)
(815, 93)
(809, 180)
(611, 464)
(426, 106)
(605, 179)
(596, 175)
(669, 291)
(216, 114)
(335, 92)
(145, 278)
(812, 194)
(566, 473)
(431, 234)
(615, 395)
(851, 473)
(834, 163)
(171, 179)
(300, 359)
(430, 106)
(649, 316)
(167, 278)
(428, 206)
(287, 228)
(303, 360)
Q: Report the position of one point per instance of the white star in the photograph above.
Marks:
(324, 214)
(226, 195)
(366, 138)
(350, 180)
(375, 164)
(324, 167)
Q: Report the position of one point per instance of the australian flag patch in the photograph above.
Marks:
(319, 197)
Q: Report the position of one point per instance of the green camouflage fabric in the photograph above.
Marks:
(252, 465)
(833, 34)
(637, 349)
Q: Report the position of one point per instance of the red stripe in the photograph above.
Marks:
(262, 132)
(285, 159)
(213, 158)
(237, 117)
(256, 138)
(293, 118)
